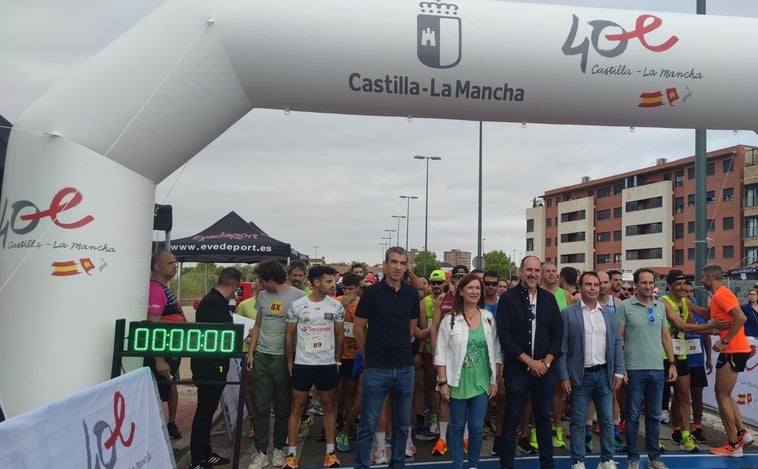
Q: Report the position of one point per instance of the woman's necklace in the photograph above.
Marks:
(472, 315)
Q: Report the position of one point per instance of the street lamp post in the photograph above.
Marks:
(389, 236)
(398, 227)
(316, 255)
(407, 215)
(426, 200)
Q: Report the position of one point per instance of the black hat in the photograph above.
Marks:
(459, 269)
(674, 275)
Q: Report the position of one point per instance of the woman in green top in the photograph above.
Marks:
(468, 361)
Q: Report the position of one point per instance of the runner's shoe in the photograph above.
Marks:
(290, 462)
(380, 457)
(343, 443)
(688, 444)
(439, 448)
(330, 460)
(728, 450)
(745, 439)
(558, 437)
(524, 447)
(699, 436)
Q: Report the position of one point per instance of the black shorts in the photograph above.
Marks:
(682, 368)
(164, 385)
(736, 360)
(303, 377)
(698, 378)
(346, 370)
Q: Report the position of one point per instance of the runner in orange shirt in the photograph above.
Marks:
(733, 349)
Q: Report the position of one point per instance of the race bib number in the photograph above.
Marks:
(320, 343)
(694, 346)
(347, 328)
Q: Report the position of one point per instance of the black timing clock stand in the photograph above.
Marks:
(161, 339)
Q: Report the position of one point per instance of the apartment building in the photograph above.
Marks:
(457, 257)
(646, 218)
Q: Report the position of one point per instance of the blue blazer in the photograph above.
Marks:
(571, 361)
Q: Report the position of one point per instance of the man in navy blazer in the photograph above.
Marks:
(530, 330)
(591, 367)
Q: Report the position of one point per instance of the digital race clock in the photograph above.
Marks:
(198, 339)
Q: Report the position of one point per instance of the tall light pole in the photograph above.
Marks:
(316, 255)
(426, 200)
(407, 215)
(398, 227)
(389, 234)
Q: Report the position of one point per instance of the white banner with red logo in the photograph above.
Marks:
(114, 425)
(745, 390)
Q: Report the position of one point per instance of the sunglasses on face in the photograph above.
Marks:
(459, 275)
(490, 284)
(436, 282)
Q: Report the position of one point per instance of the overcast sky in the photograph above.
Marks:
(334, 181)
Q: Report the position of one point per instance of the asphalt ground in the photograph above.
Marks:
(311, 451)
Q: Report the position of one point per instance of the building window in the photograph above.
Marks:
(729, 193)
(639, 254)
(666, 176)
(557, 199)
(679, 231)
(648, 228)
(728, 165)
(710, 169)
(604, 236)
(617, 258)
(572, 258)
(751, 255)
(617, 235)
(644, 204)
(617, 212)
(751, 195)
(548, 242)
(603, 258)
(728, 252)
(549, 202)
(728, 223)
(690, 227)
(603, 192)
(530, 244)
(679, 204)
(618, 188)
(604, 214)
(572, 216)
(679, 178)
(590, 193)
(530, 225)
(678, 256)
(548, 222)
(691, 173)
(691, 253)
(573, 237)
(710, 197)
(751, 227)
(691, 200)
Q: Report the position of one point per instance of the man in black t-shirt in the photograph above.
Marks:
(214, 307)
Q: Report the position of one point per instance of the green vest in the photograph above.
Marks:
(684, 313)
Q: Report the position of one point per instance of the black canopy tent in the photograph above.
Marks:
(231, 240)
(750, 271)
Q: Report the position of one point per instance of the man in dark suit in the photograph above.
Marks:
(530, 330)
(591, 367)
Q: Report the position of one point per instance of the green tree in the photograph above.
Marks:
(500, 262)
(431, 263)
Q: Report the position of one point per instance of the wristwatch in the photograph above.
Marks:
(725, 341)
(546, 363)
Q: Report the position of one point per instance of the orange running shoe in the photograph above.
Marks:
(440, 448)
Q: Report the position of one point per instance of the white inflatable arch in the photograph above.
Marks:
(77, 200)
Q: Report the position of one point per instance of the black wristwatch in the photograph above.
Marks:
(725, 341)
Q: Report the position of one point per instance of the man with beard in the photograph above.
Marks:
(531, 334)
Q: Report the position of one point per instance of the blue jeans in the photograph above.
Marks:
(594, 386)
(377, 382)
(474, 409)
(647, 385)
(517, 387)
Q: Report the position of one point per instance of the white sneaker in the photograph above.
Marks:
(747, 439)
(657, 464)
(578, 465)
(277, 458)
(633, 464)
(380, 457)
(607, 465)
(259, 461)
(665, 416)
(434, 428)
(410, 448)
